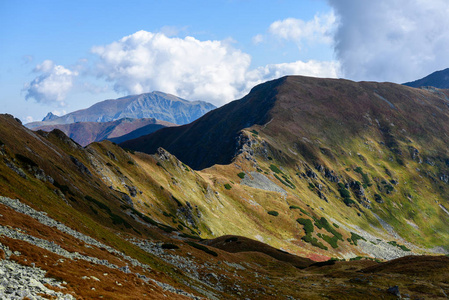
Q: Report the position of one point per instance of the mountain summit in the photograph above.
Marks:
(438, 79)
(158, 105)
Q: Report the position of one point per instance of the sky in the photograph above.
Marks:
(62, 56)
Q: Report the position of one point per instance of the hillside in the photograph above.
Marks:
(99, 222)
(371, 153)
(157, 105)
(438, 79)
(85, 133)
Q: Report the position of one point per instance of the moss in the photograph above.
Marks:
(227, 186)
(241, 175)
(273, 213)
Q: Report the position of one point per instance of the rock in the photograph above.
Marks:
(394, 290)
(81, 167)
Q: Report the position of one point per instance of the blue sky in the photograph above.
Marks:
(61, 56)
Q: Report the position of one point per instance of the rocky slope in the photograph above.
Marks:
(438, 79)
(157, 105)
(85, 133)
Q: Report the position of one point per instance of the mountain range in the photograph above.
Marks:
(157, 105)
(120, 130)
(305, 188)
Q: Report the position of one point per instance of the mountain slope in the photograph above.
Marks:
(158, 105)
(438, 79)
(101, 222)
(212, 139)
(85, 133)
(372, 153)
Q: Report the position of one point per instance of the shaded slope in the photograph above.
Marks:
(158, 105)
(235, 244)
(144, 130)
(85, 133)
(438, 79)
(212, 139)
(297, 107)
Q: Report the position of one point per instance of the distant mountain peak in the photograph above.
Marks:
(438, 79)
(157, 105)
(50, 116)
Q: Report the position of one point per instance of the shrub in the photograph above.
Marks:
(344, 193)
(323, 223)
(394, 243)
(26, 160)
(169, 246)
(275, 169)
(313, 241)
(228, 186)
(355, 237)
(307, 223)
(130, 162)
(294, 207)
(348, 201)
(203, 248)
(241, 175)
(333, 241)
(273, 213)
(289, 183)
(254, 132)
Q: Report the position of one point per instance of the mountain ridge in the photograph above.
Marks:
(438, 79)
(85, 133)
(158, 105)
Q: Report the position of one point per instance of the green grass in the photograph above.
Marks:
(273, 213)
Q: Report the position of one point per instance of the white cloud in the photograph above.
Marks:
(29, 119)
(329, 69)
(207, 70)
(52, 85)
(59, 112)
(144, 61)
(257, 39)
(391, 40)
(318, 30)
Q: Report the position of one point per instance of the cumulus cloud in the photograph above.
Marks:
(208, 70)
(329, 69)
(318, 30)
(391, 40)
(52, 85)
(187, 67)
